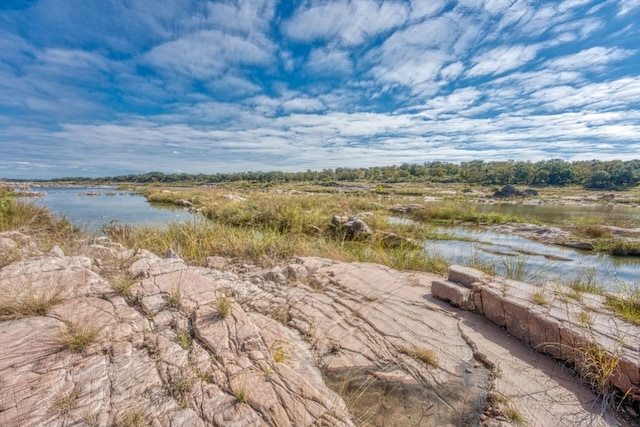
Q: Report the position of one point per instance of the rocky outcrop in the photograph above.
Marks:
(160, 351)
(125, 335)
(511, 191)
(351, 227)
(602, 348)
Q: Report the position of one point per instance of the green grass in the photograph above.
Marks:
(539, 298)
(585, 282)
(184, 339)
(452, 212)
(514, 416)
(240, 395)
(269, 228)
(627, 307)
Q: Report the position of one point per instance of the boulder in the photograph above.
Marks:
(353, 228)
(511, 191)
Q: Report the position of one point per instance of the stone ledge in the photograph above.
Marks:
(452, 293)
(465, 276)
(582, 333)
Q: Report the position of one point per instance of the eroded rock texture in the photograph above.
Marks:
(129, 337)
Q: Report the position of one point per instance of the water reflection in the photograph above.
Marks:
(93, 207)
(543, 261)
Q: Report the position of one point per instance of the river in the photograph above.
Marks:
(91, 208)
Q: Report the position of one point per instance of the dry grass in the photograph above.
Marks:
(46, 229)
(27, 300)
(63, 404)
(132, 418)
(223, 305)
(77, 336)
(122, 285)
(174, 298)
(179, 387)
(539, 298)
(269, 228)
(598, 365)
(422, 354)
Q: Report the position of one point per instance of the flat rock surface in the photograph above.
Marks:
(316, 342)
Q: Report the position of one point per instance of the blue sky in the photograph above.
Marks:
(110, 87)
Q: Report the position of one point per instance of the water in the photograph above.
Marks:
(105, 204)
(568, 213)
(543, 261)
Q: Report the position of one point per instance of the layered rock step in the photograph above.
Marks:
(555, 320)
(314, 342)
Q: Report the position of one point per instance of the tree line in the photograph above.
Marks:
(596, 174)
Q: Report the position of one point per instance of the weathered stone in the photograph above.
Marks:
(493, 305)
(451, 292)
(296, 272)
(178, 357)
(516, 318)
(585, 246)
(216, 262)
(465, 276)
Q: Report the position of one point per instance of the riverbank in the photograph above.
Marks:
(208, 338)
(310, 341)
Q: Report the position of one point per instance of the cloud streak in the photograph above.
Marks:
(222, 86)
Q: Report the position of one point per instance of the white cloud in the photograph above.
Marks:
(329, 62)
(207, 53)
(301, 105)
(347, 22)
(592, 58)
(502, 59)
(626, 6)
(421, 9)
(246, 16)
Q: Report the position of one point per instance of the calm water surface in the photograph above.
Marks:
(569, 213)
(544, 262)
(108, 204)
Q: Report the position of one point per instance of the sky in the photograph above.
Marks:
(113, 87)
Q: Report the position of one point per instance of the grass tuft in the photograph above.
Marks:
(627, 306)
(132, 418)
(422, 354)
(122, 285)
(77, 336)
(514, 416)
(179, 387)
(184, 339)
(174, 298)
(63, 404)
(539, 298)
(240, 395)
(223, 305)
(18, 301)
